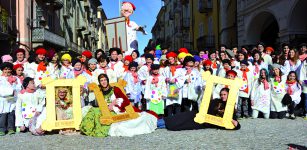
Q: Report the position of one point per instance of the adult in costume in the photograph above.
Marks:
(126, 11)
(185, 120)
(117, 101)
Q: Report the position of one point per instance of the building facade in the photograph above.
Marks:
(64, 25)
(8, 31)
(271, 21)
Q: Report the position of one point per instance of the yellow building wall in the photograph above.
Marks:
(198, 18)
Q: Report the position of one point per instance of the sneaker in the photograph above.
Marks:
(291, 116)
(2, 134)
(11, 132)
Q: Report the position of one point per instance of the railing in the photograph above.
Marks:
(186, 23)
(171, 15)
(204, 6)
(207, 41)
(43, 35)
(184, 2)
(178, 31)
(177, 7)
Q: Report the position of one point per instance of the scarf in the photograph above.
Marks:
(21, 78)
(277, 78)
(113, 63)
(41, 67)
(12, 79)
(265, 83)
(155, 79)
(214, 65)
(135, 77)
(128, 21)
(149, 67)
(30, 90)
(126, 68)
(244, 71)
(104, 69)
(256, 68)
(173, 69)
(77, 72)
(89, 72)
(290, 84)
(21, 62)
(226, 69)
(189, 71)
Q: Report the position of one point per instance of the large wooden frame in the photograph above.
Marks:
(203, 115)
(116, 33)
(51, 123)
(107, 117)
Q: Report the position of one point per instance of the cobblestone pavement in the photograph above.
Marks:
(254, 134)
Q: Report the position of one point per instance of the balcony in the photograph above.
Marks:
(56, 4)
(40, 35)
(177, 7)
(184, 2)
(207, 41)
(171, 15)
(186, 23)
(178, 32)
(204, 6)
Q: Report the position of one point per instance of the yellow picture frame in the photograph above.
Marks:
(226, 121)
(51, 123)
(107, 117)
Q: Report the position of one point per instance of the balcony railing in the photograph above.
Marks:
(57, 4)
(177, 7)
(178, 31)
(207, 41)
(186, 23)
(184, 2)
(171, 15)
(43, 35)
(204, 6)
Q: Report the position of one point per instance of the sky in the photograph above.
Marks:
(145, 14)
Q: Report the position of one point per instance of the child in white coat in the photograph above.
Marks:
(261, 95)
(9, 87)
(155, 90)
(29, 104)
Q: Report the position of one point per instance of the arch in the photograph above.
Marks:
(263, 27)
(297, 22)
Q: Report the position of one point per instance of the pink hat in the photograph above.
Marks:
(6, 58)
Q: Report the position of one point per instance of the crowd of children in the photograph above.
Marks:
(161, 81)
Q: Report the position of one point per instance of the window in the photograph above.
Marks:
(201, 30)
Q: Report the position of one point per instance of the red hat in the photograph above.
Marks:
(207, 62)
(41, 51)
(129, 58)
(171, 54)
(15, 67)
(183, 50)
(271, 49)
(87, 54)
(20, 50)
(50, 54)
(133, 6)
(229, 72)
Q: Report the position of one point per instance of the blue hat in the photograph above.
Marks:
(197, 58)
(244, 62)
(158, 53)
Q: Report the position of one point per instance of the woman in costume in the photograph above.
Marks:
(117, 101)
(185, 120)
